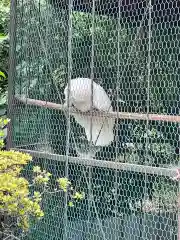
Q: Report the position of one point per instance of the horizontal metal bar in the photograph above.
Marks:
(169, 172)
(120, 115)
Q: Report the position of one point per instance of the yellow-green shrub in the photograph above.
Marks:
(16, 199)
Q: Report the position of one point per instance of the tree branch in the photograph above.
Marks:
(120, 115)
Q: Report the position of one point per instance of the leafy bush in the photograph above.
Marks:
(4, 17)
(4, 51)
(19, 204)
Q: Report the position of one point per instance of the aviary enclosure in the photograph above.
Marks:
(124, 155)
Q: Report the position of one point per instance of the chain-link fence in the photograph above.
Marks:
(120, 144)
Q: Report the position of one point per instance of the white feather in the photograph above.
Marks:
(80, 97)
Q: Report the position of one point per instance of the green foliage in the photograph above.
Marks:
(3, 84)
(41, 176)
(3, 122)
(4, 50)
(4, 17)
(64, 183)
(166, 195)
(73, 195)
(17, 200)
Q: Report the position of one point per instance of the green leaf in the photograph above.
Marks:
(78, 196)
(2, 75)
(36, 169)
(3, 99)
(70, 204)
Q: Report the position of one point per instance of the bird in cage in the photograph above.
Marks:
(86, 95)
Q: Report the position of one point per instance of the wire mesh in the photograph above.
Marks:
(124, 166)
